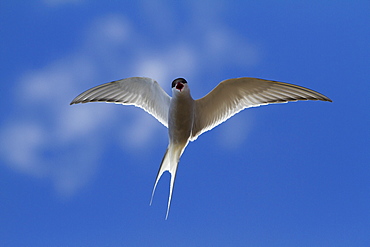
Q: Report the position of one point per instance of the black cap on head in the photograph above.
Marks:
(182, 80)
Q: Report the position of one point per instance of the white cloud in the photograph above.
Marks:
(39, 144)
(228, 48)
(178, 60)
(140, 132)
(63, 143)
(235, 131)
(21, 143)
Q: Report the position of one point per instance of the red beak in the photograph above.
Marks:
(179, 86)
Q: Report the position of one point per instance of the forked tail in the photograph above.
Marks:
(169, 163)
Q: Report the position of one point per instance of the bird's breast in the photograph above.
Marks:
(181, 116)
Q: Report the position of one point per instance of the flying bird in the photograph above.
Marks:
(187, 118)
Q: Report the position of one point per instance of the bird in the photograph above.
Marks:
(186, 118)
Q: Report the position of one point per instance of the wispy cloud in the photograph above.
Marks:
(62, 144)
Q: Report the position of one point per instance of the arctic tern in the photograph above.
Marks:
(187, 118)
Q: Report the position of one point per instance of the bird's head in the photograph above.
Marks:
(179, 85)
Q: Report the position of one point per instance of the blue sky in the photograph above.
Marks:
(295, 174)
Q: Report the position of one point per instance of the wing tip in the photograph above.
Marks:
(322, 98)
(76, 101)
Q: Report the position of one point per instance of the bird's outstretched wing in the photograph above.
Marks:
(142, 92)
(233, 95)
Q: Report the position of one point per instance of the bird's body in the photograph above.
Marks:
(181, 116)
(186, 118)
(180, 124)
